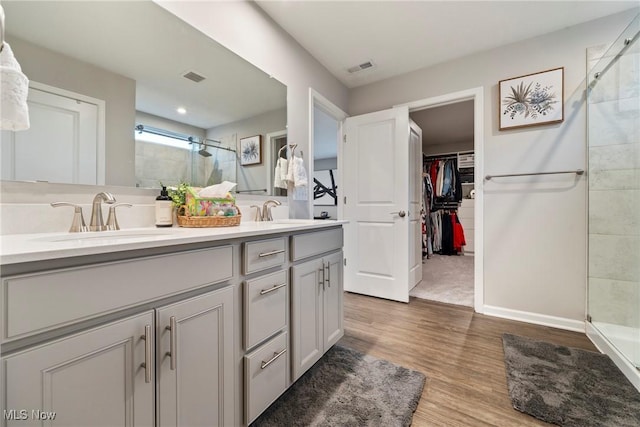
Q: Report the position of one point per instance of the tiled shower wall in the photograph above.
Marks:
(614, 191)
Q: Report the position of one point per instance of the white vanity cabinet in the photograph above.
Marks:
(195, 361)
(266, 322)
(94, 378)
(196, 333)
(317, 297)
(170, 364)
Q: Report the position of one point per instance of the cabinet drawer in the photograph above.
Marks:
(263, 254)
(265, 307)
(316, 243)
(265, 376)
(35, 303)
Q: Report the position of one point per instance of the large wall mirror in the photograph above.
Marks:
(125, 93)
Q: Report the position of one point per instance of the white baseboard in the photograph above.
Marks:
(621, 362)
(535, 318)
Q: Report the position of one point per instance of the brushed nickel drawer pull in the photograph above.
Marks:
(264, 254)
(270, 361)
(172, 353)
(327, 278)
(275, 287)
(147, 353)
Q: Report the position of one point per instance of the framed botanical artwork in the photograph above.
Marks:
(532, 100)
(251, 150)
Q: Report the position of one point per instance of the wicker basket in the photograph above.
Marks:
(187, 220)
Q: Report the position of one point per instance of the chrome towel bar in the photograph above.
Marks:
(577, 172)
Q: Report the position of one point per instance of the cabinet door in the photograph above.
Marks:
(195, 361)
(333, 297)
(307, 313)
(93, 378)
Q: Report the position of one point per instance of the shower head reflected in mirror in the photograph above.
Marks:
(203, 151)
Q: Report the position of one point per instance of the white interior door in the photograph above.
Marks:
(376, 188)
(415, 204)
(61, 145)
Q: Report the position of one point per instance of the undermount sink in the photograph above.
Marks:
(107, 235)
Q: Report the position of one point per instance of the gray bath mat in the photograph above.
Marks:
(348, 388)
(568, 386)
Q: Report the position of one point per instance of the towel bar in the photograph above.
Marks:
(577, 172)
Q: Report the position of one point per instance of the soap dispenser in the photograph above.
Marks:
(164, 209)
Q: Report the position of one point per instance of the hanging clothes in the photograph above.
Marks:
(427, 202)
(458, 186)
(447, 235)
(458, 234)
(436, 229)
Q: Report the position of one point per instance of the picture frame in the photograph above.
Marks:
(531, 100)
(250, 150)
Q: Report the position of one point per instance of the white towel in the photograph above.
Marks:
(297, 174)
(280, 174)
(14, 88)
(297, 178)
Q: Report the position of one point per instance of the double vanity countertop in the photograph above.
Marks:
(21, 248)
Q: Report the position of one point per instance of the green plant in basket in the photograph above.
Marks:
(179, 194)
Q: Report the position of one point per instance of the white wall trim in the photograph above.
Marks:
(100, 137)
(317, 100)
(535, 318)
(629, 371)
(477, 95)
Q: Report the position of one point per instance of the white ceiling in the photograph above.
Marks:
(403, 36)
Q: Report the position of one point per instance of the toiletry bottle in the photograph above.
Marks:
(164, 209)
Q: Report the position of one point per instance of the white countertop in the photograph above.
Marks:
(19, 248)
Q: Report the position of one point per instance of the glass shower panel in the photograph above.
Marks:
(613, 99)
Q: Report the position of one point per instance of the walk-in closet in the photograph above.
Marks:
(447, 212)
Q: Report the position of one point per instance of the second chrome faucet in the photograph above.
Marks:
(265, 215)
(97, 223)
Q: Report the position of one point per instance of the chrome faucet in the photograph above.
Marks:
(77, 225)
(97, 223)
(258, 216)
(266, 209)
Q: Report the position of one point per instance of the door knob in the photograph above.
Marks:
(401, 214)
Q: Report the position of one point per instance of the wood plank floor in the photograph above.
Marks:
(458, 350)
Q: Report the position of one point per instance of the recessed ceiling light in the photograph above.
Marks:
(181, 110)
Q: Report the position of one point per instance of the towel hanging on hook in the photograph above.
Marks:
(14, 87)
(292, 150)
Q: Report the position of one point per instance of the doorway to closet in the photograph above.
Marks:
(447, 232)
(476, 96)
(453, 129)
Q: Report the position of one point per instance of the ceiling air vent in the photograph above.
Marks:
(360, 67)
(193, 76)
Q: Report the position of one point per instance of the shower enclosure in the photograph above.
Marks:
(613, 99)
(167, 157)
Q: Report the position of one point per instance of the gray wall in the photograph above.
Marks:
(267, 46)
(48, 67)
(534, 229)
(252, 177)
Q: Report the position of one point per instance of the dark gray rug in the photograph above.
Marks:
(348, 388)
(568, 386)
